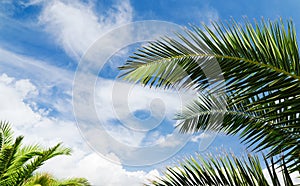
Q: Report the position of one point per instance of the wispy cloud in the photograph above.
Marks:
(75, 25)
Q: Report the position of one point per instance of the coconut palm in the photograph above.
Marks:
(256, 93)
(18, 162)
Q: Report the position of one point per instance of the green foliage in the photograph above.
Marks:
(227, 170)
(257, 91)
(48, 180)
(18, 162)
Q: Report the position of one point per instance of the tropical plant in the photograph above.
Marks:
(256, 92)
(227, 170)
(18, 162)
(45, 179)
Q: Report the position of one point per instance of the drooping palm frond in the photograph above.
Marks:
(255, 67)
(227, 170)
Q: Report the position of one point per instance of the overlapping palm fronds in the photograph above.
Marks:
(227, 170)
(18, 162)
(259, 81)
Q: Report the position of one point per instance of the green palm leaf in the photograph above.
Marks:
(259, 79)
(6, 134)
(18, 162)
(227, 170)
(45, 179)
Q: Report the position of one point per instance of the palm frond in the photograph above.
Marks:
(45, 155)
(43, 179)
(256, 66)
(23, 170)
(208, 113)
(46, 179)
(6, 134)
(18, 162)
(73, 182)
(7, 157)
(222, 170)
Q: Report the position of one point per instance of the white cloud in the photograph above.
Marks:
(75, 25)
(42, 75)
(12, 100)
(20, 100)
(201, 136)
(119, 100)
(31, 2)
(114, 128)
(48, 131)
(51, 86)
(97, 169)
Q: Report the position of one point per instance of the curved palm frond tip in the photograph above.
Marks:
(260, 78)
(18, 162)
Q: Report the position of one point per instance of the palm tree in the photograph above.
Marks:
(257, 92)
(18, 162)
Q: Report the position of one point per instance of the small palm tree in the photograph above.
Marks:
(257, 92)
(18, 162)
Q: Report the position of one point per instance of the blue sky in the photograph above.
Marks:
(42, 44)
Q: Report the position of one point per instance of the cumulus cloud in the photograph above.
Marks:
(98, 170)
(12, 100)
